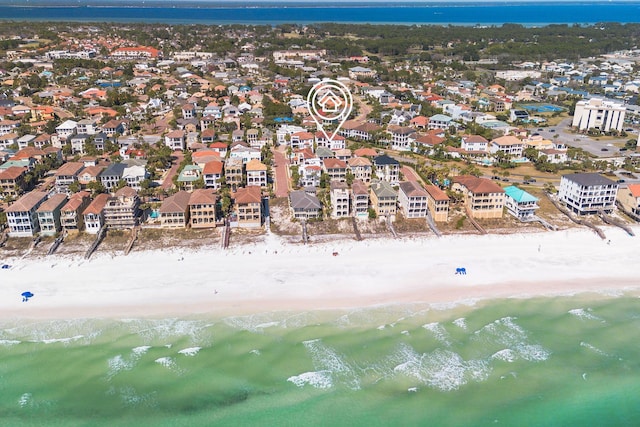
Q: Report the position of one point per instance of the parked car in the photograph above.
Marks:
(532, 180)
(620, 181)
(604, 149)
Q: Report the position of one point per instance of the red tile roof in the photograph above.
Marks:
(478, 185)
(97, 205)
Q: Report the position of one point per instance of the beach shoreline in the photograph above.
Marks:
(270, 275)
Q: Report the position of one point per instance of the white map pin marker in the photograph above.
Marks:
(329, 101)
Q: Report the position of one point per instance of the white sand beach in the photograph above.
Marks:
(269, 275)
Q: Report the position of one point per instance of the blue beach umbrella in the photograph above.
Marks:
(26, 295)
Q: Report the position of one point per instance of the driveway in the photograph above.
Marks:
(167, 183)
(281, 178)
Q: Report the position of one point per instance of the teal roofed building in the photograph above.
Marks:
(188, 177)
(519, 203)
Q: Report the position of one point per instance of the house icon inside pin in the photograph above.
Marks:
(330, 102)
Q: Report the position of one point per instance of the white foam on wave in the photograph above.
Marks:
(9, 342)
(506, 355)
(507, 333)
(191, 351)
(167, 362)
(117, 364)
(139, 351)
(442, 370)
(25, 400)
(461, 323)
(62, 340)
(318, 379)
(594, 349)
(585, 314)
(327, 359)
(439, 332)
(256, 352)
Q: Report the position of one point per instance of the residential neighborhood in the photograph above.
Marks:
(101, 134)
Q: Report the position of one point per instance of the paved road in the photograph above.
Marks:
(411, 175)
(281, 175)
(168, 180)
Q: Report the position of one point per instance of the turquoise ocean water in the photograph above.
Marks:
(565, 361)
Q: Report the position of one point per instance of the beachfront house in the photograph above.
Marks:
(22, 216)
(340, 197)
(174, 211)
(483, 197)
(94, 214)
(304, 205)
(384, 198)
(359, 199)
(519, 203)
(437, 203)
(203, 208)
(629, 199)
(588, 193)
(49, 214)
(248, 207)
(122, 209)
(413, 200)
(71, 219)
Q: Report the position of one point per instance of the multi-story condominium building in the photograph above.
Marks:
(482, 196)
(256, 173)
(437, 203)
(248, 207)
(507, 144)
(413, 200)
(174, 211)
(49, 214)
(359, 199)
(519, 203)
(94, 214)
(22, 216)
(122, 209)
(71, 218)
(66, 175)
(587, 193)
(340, 197)
(596, 113)
(387, 169)
(202, 208)
(384, 198)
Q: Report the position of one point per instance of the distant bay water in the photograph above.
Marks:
(457, 13)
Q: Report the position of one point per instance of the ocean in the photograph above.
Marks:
(458, 13)
(562, 361)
